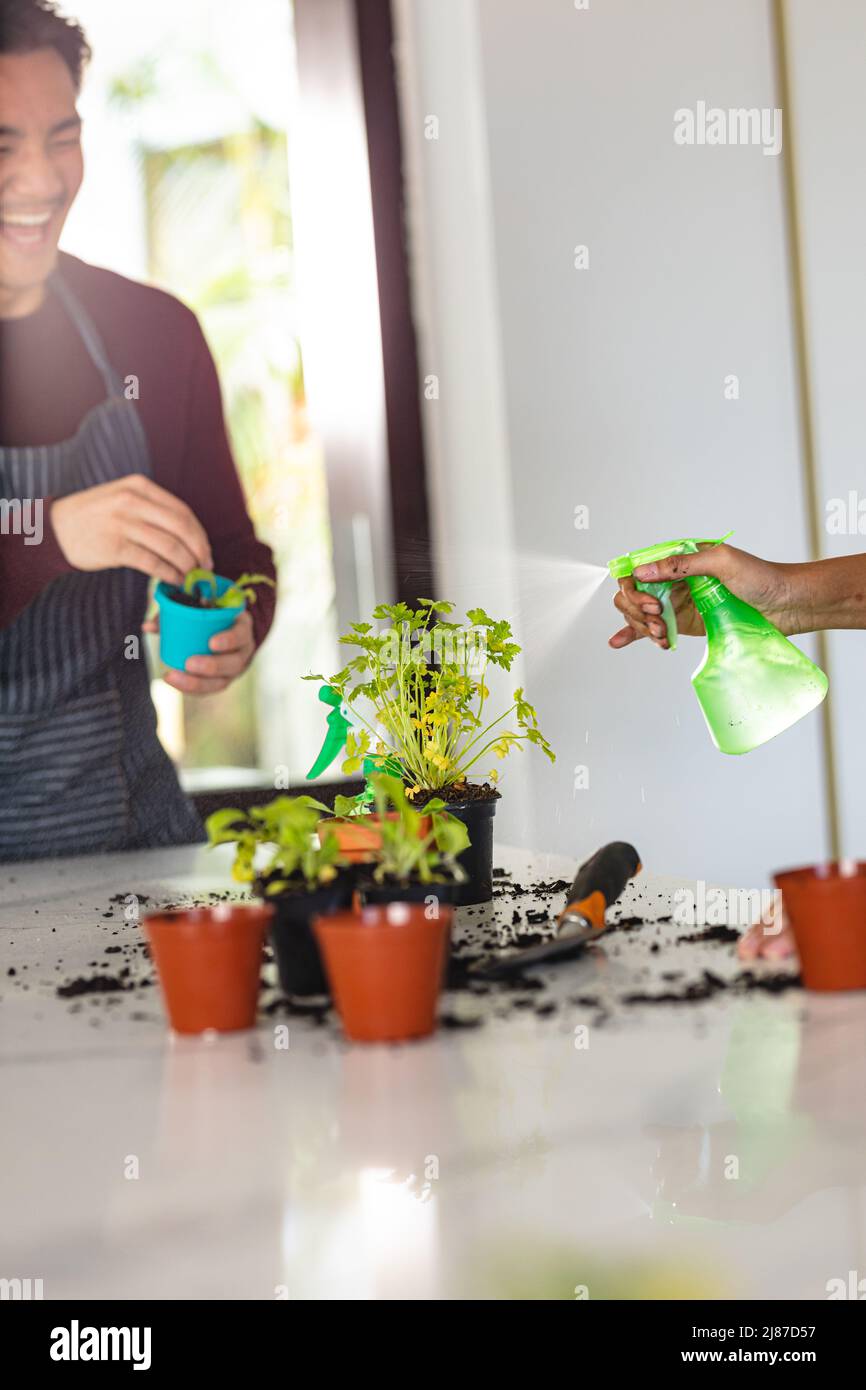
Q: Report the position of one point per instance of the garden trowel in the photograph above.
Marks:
(597, 884)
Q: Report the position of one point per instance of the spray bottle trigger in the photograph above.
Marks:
(663, 593)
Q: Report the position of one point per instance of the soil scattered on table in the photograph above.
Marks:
(542, 889)
(94, 984)
(709, 984)
(454, 1021)
(726, 936)
(483, 932)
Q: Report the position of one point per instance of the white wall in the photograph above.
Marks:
(827, 45)
(605, 387)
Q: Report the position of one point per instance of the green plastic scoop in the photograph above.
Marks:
(335, 738)
(339, 725)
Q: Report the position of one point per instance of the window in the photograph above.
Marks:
(188, 120)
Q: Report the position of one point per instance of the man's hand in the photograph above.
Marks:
(765, 585)
(131, 522)
(233, 650)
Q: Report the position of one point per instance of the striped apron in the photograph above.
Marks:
(81, 768)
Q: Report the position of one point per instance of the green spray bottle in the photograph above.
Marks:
(752, 682)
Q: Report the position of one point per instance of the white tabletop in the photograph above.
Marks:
(706, 1149)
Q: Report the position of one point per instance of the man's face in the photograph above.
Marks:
(40, 167)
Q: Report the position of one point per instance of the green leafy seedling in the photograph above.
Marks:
(287, 827)
(406, 854)
(241, 592)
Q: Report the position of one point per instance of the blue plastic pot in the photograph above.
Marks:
(186, 632)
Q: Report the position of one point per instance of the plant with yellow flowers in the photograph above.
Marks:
(418, 689)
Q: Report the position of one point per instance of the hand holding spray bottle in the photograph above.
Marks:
(752, 682)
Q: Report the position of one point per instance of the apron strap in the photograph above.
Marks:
(89, 335)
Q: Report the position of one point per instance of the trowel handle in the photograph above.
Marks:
(601, 880)
(663, 593)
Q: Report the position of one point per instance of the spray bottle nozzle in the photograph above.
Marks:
(624, 565)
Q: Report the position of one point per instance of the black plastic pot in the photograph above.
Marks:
(413, 892)
(299, 964)
(476, 861)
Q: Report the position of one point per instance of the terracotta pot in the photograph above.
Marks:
(208, 960)
(826, 906)
(359, 838)
(385, 965)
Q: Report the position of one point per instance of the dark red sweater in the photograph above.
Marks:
(48, 383)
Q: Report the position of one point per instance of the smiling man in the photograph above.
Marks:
(111, 430)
